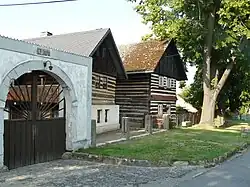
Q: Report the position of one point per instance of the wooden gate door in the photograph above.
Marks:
(34, 128)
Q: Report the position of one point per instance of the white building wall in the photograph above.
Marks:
(73, 71)
(112, 118)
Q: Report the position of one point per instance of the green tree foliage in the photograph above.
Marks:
(182, 84)
(193, 93)
(212, 34)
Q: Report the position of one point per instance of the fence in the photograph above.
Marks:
(194, 118)
(127, 130)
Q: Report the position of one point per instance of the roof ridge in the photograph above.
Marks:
(39, 45)
(142, 42)
(69, 33)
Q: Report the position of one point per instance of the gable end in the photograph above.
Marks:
(171, 64)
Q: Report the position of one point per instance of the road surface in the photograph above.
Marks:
(232, 173)
(69, 173)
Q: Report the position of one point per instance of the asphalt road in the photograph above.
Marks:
(233, 173)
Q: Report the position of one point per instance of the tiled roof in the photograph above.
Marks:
(82, 43)
(142, 56)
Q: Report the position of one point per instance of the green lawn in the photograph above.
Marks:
(179, 144)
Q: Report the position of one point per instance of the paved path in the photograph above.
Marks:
(73, 173)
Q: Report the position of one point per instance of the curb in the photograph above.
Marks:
(147, 163)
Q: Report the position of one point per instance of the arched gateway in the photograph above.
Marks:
(45, 103)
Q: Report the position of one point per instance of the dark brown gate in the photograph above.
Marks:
(35, 129)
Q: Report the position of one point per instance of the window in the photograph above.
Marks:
(106, 115)
(172, 83)
(99, 113)
(161, 81)
(166, 82)
(104, 82)
(97, 81)
(100, 82)
(169, 82)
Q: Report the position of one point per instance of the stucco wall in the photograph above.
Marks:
(112, 118)
(17, 58)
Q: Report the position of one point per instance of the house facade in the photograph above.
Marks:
(106, 68)
(153, 67)
(29, 131)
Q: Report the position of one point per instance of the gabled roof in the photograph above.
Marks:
(82, 43)
(143, 56)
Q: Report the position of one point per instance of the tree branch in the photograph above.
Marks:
(216, 77)
(223, 79)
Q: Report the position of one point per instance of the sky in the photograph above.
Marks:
(29, 21)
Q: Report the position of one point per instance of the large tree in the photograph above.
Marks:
(210, 33)
(234, 96)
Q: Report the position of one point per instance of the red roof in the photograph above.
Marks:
(142, 56)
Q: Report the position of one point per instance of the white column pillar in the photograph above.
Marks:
(68, 120)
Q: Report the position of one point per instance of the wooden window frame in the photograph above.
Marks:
(99, 116)
(165, 82)
(104, 82)
(172, 83)
(161, 81)
(106, 115)
(98, 82)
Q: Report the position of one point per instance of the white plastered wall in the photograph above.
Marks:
(112, 118)
(73, 72)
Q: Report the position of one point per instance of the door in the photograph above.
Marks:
(34, 130)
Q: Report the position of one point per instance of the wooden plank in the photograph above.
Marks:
(12, 146)
(132, 95)
(104, 95)
(18, 132)
(6, 143)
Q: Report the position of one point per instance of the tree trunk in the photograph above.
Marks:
(209, 109)
(207, 93)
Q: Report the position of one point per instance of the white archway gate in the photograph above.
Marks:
(73, 76)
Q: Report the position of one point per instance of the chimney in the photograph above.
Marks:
(46, 33)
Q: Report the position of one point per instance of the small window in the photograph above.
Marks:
(165, 82)
(161, 81)
(172, 83)
(106, 115)
(98, 82)
(99, 113)
(169, 83)
(104, 82)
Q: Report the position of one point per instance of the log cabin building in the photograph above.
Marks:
(106, 68)
(152, 67)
